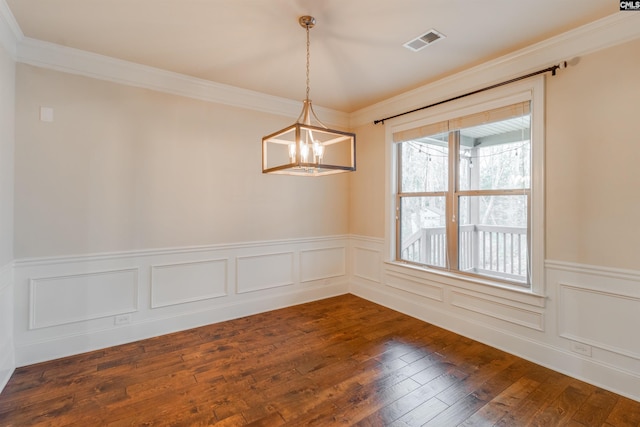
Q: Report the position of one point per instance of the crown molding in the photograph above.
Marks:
(74, 61)
(609, 31)
(606, 32)
(10, 32)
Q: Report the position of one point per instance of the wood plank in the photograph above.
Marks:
(626, 413)
(596, 409)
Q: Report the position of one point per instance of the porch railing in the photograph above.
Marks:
(483, 249)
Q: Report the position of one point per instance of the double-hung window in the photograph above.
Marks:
(463, 198)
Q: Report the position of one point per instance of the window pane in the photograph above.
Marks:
(422, 230)
(492, 238)
(425, 164)
(496, 156)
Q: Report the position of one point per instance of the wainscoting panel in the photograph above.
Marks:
(71, 305)
(600, 319)
(260, 272)
(322, 263)
(80, 297)
(413, 286)
(367, 263)
(498, 309)
(185, 282)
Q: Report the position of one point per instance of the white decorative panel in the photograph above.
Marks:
(79, 297)
(413, 286)
(316, 264)
(366, 263)
(601, 319)
(184, 282)
(494, 307)
(267, 271)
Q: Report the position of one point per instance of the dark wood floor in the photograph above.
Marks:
(340, 361)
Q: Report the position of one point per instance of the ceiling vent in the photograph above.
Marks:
(424, 40)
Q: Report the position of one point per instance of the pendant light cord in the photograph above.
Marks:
(308, 59)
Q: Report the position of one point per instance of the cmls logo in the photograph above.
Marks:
(629, 5)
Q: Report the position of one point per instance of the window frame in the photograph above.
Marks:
(527, 90)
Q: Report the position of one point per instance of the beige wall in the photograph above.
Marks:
(592, 163)
(124, 168)
(7, 93)
(366, 213)
(593, 160)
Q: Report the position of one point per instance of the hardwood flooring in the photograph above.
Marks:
(339, 361)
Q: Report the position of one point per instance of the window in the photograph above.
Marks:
(464, 199)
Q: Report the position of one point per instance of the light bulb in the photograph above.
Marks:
(304, 152)
(318, 151)
(292, 153)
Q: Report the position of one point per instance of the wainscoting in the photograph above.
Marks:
(7, 359)
(585, 326)
(70, 305)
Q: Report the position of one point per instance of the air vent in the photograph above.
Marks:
(424, 40)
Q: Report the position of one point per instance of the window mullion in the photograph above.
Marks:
(397, 211)
(510, 192)
(452, 201)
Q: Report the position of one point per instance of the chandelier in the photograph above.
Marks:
(308, 147)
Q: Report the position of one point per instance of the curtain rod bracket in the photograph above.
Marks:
(552, 69)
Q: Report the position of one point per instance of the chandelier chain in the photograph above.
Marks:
(308, 60)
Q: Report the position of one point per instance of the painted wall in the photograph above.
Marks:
(7, 101)
(7, 91)
(585, 322)
(139, 213)
(123, 168)
(366, 210)
(593, 159)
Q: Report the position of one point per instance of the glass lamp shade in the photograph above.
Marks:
(307, 150)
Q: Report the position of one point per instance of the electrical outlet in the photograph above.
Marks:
(580, 348)
(122, 319)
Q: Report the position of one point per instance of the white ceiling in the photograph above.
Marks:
(357, 57)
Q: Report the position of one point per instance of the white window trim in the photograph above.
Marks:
(529, 89)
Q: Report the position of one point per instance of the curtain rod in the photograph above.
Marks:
(526, 76)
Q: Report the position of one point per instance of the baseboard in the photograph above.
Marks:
(586, 369)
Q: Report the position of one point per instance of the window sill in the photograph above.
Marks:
(485, 286)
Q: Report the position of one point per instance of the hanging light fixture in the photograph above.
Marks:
(308, 147)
